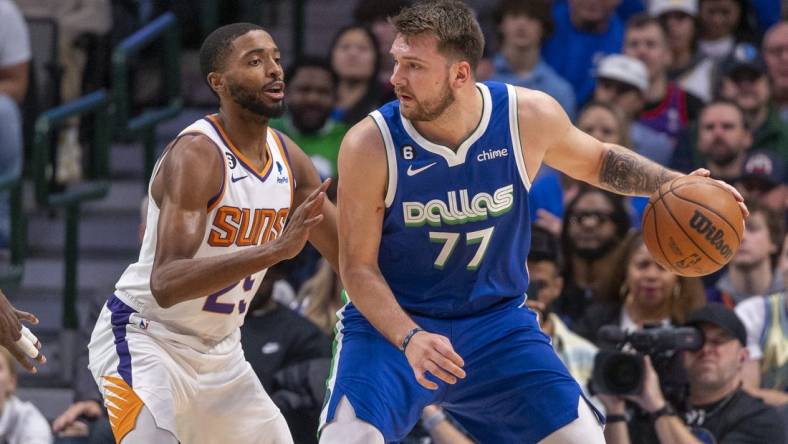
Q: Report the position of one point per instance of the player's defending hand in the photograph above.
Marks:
(434, 353)
(306, 216)
(703, 172)
(16, 338)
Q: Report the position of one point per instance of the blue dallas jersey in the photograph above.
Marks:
(456, 230)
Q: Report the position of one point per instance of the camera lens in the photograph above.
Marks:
(623, 373)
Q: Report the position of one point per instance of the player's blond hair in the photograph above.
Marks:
(451, 21)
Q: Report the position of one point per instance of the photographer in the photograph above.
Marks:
(717, 410)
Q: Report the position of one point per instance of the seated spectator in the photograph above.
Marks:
(595, 223)
(275, 337)
(14, 65)
(688, 67)
(622, 81)
(640, 292)
(585, 31)
(717, 409)
(75, 19)
(765, 373)
(745, 82)
(20, 421)
(719, 144)
(311, 96)
(545, 282)
(751, 271)
(765, 178)
(723, 24)
(355, 59)
(523, 27)
(775, 53)
(290, 356)
(321, 298)
(375, 15)
(668, 107)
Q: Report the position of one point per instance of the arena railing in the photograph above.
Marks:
(11, 182)
(96, 106)
(164, 31)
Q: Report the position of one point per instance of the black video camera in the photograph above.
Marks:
(619, 371)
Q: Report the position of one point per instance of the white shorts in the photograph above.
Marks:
(200, 396)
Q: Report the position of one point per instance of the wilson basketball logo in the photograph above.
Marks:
(714, 235)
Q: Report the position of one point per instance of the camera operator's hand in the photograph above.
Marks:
(650, 398)
(614, 405)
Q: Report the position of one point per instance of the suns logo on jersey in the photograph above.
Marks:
(244, 226)
(456, 212)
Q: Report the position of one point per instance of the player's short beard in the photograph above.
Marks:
(250, 102)
(430, 110)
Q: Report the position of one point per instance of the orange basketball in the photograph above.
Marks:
(692, 226)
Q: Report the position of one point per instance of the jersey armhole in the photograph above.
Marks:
(391, 159)
(213, 200)
(514, 132)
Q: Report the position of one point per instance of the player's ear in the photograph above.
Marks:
(461, 73)
(215, 81)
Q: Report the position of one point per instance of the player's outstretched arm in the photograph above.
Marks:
(324, 235)
(190, 175)
(548, 135)
(362, 188)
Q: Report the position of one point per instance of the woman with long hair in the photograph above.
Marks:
(355, 59)
(641, 292)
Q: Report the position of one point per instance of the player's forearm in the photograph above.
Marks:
(185, 279)
(324, 236)
(372, 296)
(623, 171)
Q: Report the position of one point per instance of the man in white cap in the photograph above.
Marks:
(622, 81)
(688, 66)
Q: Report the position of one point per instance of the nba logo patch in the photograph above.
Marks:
(143, 324)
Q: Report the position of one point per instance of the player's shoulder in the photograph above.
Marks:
(193, 150)
(533, 103)
(364, 136)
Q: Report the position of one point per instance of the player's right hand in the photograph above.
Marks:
(301, 221)
(428, 352)
(16, 338)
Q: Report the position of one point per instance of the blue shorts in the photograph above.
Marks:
(516, 388)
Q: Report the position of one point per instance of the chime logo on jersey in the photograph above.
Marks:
(244, 226)
(459, 208)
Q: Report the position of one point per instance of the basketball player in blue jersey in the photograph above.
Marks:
(434, 233)
(228, 198)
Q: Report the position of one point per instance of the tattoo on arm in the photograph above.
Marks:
(625, 172)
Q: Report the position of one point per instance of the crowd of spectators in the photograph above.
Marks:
(687, 83)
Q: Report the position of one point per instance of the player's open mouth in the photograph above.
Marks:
(275, 90)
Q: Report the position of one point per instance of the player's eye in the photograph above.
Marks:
(254, 62)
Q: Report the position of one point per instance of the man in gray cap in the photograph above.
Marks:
(717, 409)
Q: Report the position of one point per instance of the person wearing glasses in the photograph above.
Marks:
(595, 222)
(717, 408)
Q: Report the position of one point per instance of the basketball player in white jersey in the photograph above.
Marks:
(228, 198)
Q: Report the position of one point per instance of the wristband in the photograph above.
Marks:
(433, 420)
(665, 410)
(609, 419)
(408, 337)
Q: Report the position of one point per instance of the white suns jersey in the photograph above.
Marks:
(251, 208)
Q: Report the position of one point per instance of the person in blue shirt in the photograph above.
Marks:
(585, 31)
(434, 235)
(522, 28)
